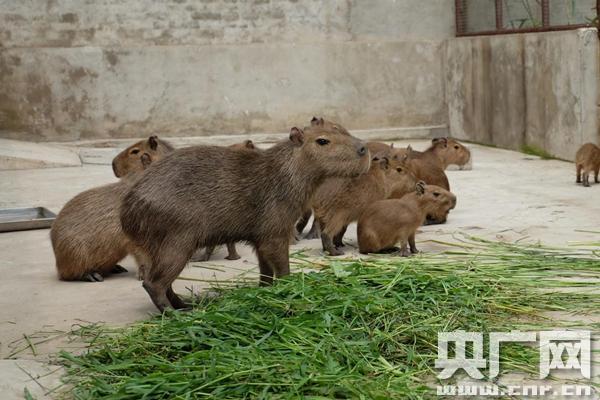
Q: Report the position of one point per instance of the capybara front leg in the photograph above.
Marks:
(338, 239)
(158, 295)
(232, 252)
(328, 246)
(596, 176)
(404, 250)
(579, 167)
(411, 243)
(315, 231)
(586, 179)
(175, 300)
(273, 259)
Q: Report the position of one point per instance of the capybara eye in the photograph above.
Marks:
(134, 151)
(322, 142)
(436, 194)
(399, 169)
(456, 147)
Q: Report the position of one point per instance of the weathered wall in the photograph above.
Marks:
(539, 90)
(72, 69)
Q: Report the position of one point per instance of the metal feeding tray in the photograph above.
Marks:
(22, 219)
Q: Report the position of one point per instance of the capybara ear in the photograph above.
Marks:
(297, 136)
(146, 160)
(409, 148)
(153, 142)
(317, 121)
(248, 144)
(392, 145)
(443, 141)
(420, 187)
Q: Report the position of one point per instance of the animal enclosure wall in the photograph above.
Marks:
(535, 89)
(71, 69)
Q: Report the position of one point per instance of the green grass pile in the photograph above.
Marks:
(361, 328)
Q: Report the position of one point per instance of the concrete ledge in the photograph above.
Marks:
(16, 154)
(103, 151)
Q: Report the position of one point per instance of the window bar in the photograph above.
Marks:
(500, 16)
(545, 13)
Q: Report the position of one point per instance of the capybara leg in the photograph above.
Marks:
(93, 277)
(117, 269)
(275, 253)
(596, 176)
(158, 294)
(303, 221)
(203, 256)
(141, 272)
(404, 250)
(579, 166)
(328, 245)
(315, 231)
(338, 239)
(586, 179)
(411, 243)
(175, 300)
(232, 252)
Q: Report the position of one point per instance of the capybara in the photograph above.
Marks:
(140, 155)
(86, 236)
(207, 195)
(444, 152)
(387, 222)
(430, 173)
(232, 253)
(340, 201)
(587, 160)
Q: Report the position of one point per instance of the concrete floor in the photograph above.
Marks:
(507, 196)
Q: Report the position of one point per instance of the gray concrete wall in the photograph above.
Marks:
(533, 89)
(71, 69)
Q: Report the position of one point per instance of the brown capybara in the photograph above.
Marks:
(587, 160)
(208, 195)
(87, 238)
(388, 222)
(340, 201)
(424, 171)
(232, 253)
(140, 155)
(444, 152)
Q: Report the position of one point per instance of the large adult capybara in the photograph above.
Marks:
(444, 152)
(140, 155)
(587, 159)
(207, 195)
(388, 222)
(340, 201)
(86, 236)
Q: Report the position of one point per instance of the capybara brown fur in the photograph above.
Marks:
(328, 125)
(207, 195)
(87, 238)
(340, 201)
(379, 148)
(232, 253)
(444, 152)
(388, 222)
(587, 160)
(425, 171)
(140, 155)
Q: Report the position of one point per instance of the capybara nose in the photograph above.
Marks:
(362, 151)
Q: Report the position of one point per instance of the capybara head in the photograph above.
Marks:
(325, 124)
(451, 151)
(245, 145)
(399, 177)
(437, 201)
(140, 155)
(332, 152)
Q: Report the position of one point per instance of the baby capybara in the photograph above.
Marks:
(388, 222)
(140, 155)
(444, 152)
(207, 195)
(587, 160)
(86, 236)
(340, 201)
(424, 170)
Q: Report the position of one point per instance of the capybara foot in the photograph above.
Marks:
(93, 277)
(117, 269)
(586, 184)
(415, 251)
(336, 252)
(233, 257)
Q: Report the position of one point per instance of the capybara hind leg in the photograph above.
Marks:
(175, 300)
(232, 252)
(338, 239)
(303, 221)
(273, 259)
(93, 277)
(586, 179)
(404, 250)
(328, 245)
(117, 269)
(579, 167)
(158, 294)
(314, 232)
(411, 243)
(203, 256)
